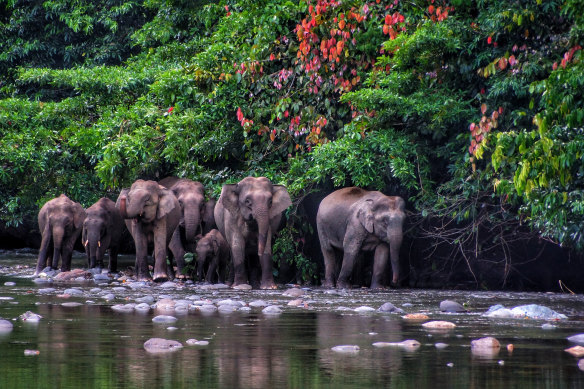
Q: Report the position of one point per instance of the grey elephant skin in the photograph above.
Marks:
(60, 222)
(212, 257)
(248, 214)
(354, 220)
(102, 231)
(152, 214)
(191, 197)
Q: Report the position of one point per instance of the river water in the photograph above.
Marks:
(91, 345)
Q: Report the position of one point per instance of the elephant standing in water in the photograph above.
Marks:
(191, 198)
(152, 214)
(102, 230)
(60, 223)
(353, 220)
(248, 214)
(212, 257)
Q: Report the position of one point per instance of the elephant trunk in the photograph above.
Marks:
(93, 242)
(201, 257)
(261, 215)
(58, 234)
(192, 219)
(123, 209)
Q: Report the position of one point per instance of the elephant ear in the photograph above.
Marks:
(215, 245)
(166, 203)
(79, 217)
(365, 215)
(230, 198)
(280, 200)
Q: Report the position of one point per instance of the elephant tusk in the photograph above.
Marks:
(98, 243)
(86, 243)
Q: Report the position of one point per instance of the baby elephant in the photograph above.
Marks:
(212, 255)
(102, 230)
(353, 220)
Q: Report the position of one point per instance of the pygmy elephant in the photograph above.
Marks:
(212, 256)
(355, 220)
(248, 214)
(60, 223)
(155, 213)
(102, 230)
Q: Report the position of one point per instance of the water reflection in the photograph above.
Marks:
(92, 345)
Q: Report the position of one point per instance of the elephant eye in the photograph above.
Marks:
(248, 202)
(270, 203)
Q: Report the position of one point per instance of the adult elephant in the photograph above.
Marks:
(247, 214)
(60, 224)
(152, 214)
(355, 220)
(102, 230)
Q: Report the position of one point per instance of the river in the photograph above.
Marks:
(91, 345)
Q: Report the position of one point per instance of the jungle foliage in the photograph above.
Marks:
(472, 110)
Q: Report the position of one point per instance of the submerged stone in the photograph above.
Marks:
(451, 306)
(439, 325)
(390, 308)
(294, 292)
(346, 349)
(159, 345)
(485, 347)
(272, 310)
(577, 351)
(5, 326)
(409, 344)
(71, 304)
(578, 339)
(126, 308)
(530, 311)
(364, 309)
(258, 304)
(164, 319)
(30, 317)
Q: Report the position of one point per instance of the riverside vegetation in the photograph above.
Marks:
(472, 111)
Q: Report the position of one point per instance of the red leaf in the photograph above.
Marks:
(239, 114)
(489, 40)
(431, 9)
(483, 108)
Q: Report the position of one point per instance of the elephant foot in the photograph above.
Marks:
(268, 285)
(160, 277)
(343, 285)
(328, 285)
(377, 286)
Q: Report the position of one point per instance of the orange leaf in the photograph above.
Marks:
(272, 136)
(483, 108)
(340, 45)
(342, 24)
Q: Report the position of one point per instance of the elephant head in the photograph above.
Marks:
(146, 201)
(94, 229)
(256, 199)
(383, 216)
(191, 197)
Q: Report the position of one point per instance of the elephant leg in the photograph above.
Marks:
(141, 242)
(350, 253)
(42, 260)
(379, 266)
(238, 257)
(178, 252)
(266, 263)
(160, 267)
(211, 271)
(67, 250)
(330, 266)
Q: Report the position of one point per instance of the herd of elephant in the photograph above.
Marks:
(234, 233)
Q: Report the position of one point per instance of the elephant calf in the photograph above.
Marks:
(102, 230)
(60, 224)
(355, 220)
(212, 257)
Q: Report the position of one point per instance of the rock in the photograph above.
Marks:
(207, 308)
(10, 283)
(101, 277)
(581, 364)
(441, 346)
(230, 302)
(159, 345)
(166, 304)
(439, 325)
(364, 309)
(168, 285)
(5, 326)
(191, 342)
(485, 347)
(72, 275)
(125, 308)
(71, 304)
(416, 317)
(577, 351)
(346, 349)
(95, 290)
(226, 308)
(451, 306)
(73, 292)
(30, 353)
(530, 311)
(164, 319)
(294, 292)
(171, 328)
(109, 296)
(30, 317)
(578, 339)
(46, 290)
(272, 310)
(296, 303)
(390, 308)
(201, 343)
(242, 287)
(142, 308)
(41, 280)
(408, 344)
(258, 304)
(548, 326)
(148, 299)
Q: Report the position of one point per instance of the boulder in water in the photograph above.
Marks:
(159, 345)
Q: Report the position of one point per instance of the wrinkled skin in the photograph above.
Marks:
(102, 230)
(212, 256)
(208, 216)
(247, 214)
(152, 214)
(355, 220)
(60, 224)
(191, 197)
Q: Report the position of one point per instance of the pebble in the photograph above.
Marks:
(109, 296)
(242, 287)
(258, 304)
(148, 299)
(439, 325)
(126, 308)
(296, 303)
(171, 328)
(142, 307)
(5, 326)
(408, 344)
(364, 309)
(207, 308)
(159, 345)
(71, 304)
(168, 284)
(73, 292)
(226, 308)
(30, 317)
(31, 352)
(451, 306)
(450, 364)
(346, 349)
(10, 283)
(272, 310)
(294, 292)
(581, 364)
(485, 347)
(577, 351)
(95, 290)
(441, 346)
(416, 316)
(548, 326)
(164, 319)
(46, 290)
(578, 339)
